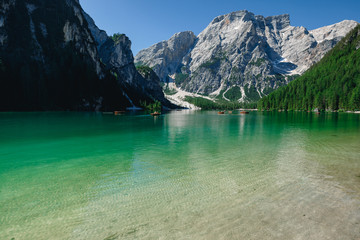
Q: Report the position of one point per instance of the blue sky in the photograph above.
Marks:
(148, 22)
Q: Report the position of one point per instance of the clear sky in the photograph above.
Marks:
(148, 22)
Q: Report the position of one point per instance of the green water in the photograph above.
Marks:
(183, 175)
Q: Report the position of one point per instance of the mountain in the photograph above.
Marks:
(331, 84)
(243, 53)
(52, 58)
(115, 53)
(166, 57)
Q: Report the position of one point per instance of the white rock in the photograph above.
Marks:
(243, 49)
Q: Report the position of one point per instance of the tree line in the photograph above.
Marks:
(331, 84)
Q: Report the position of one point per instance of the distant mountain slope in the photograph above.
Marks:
(50, 59)
(166, 57)
(243, 52)
(332, 84)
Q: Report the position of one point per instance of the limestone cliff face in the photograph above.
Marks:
(42, 24)
(152, 81)
(53, 57)
(256, 53)
(115, 52)
(49, 57)
(165, 57)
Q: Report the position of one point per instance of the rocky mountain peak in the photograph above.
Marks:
(180, 38)
(238, 15)
(115, 53)
(278, 22)
(254, 53)
(333, 31)
(99, 35)
(165, 57)
(275, 22)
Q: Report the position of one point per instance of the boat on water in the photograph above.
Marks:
(155, 114)
(244, 112)
(230, 112)
(119, 112)
(221, 112)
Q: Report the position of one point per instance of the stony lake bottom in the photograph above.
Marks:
(182, 175)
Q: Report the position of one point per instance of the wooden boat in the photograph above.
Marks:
(230, 112)
(155, 114)
(221, 112)
(244, 112)
(118, 112)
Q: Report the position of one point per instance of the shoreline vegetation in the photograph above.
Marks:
(154, 107)
(206, 104)
(152, 110)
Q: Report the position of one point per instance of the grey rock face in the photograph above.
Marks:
(4, 8)
(118, 54)
(166, 57)
(256, 53)
(53, 57)
(37, 40)
(152, 82)
(99, 35)
(118, 58)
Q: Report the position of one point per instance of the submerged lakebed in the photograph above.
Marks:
(182, 175)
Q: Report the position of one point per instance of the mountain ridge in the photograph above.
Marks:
(53, 57)
(256, 53)
(331, 84)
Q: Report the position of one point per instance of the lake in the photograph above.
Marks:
(183, 175)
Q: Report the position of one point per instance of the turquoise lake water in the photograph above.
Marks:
(183, 175)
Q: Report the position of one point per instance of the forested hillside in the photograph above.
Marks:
(331, 84)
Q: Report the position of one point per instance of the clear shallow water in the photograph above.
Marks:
(184, 175)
